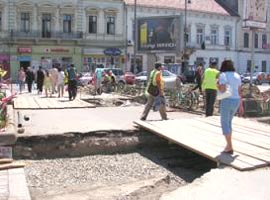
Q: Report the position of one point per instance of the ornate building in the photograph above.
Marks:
(58, 33)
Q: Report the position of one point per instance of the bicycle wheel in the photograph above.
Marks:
(187, 100)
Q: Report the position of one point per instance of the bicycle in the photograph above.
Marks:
(184, 98)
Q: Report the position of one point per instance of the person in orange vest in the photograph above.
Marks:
(157, 80)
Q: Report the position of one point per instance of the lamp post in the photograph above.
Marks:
(135, 36)
(185, 35)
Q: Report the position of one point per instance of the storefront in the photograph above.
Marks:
(109, 57)
(4, 64)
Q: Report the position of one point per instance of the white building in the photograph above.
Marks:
(207, 22)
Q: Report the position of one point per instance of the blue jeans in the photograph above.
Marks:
(228, 108)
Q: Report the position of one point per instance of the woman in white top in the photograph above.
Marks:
(229, 105)
(60, 82)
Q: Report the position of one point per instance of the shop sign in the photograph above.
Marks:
(56, 50)
(24, 50)
(24, 58)
(4, 57)
(112, 52)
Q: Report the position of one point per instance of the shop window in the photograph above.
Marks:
(110, 25)
(67, 23)
(92, 24)
(169, 59)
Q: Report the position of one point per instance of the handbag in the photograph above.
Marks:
(153, 89)
(226, 94)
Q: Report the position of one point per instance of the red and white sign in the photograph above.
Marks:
(24, 50)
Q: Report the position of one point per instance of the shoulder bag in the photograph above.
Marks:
(153, 89)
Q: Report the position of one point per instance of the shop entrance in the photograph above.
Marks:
(24, 64)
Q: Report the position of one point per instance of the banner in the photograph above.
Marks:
(255, 13)
(157, 33)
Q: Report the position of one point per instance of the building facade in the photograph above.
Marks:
(58, 33)
(210, 31)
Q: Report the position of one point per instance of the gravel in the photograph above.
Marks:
(104, 169)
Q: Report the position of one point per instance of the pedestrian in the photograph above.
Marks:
(40, 80)
(30, 77)
(21, 79)
(72, 82)
(60, 82)
(210, 86)
(228, 78)
(198, 77)
(48, 84)
(98, 80)
(54, 75)
(157, 80)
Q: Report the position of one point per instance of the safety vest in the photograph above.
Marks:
(153, 77)
(210, 78)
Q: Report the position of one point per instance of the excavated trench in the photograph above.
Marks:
(113, 152)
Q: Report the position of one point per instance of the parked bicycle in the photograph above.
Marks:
(184, 98)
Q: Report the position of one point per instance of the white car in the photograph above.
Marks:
(85, 79)
(170, 79)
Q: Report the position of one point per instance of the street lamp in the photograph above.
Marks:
(185, 36)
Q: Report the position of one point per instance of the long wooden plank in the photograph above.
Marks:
(189, 141)
(252, 126)
(239, 128)
(260, 139)
(245, 148)
(240, 135)
(210, 137)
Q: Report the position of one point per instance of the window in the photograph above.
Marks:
(227, 37)
(256, 42)
(25, 22)
(248, 65)
(0, 21)
(46, 25)
(200, 35)
(264, 66)
(188, 35)
(264, 41)
(67, 23)
(110, 25)
(246, 40)
(214, 36)
(92, 24)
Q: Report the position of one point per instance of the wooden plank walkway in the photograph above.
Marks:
(251, 139)
(37, 102)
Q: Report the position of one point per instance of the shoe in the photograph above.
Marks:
(143, 118)
(228, 152)
(166, 118)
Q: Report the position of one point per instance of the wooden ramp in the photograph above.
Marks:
(251, 139)
(36, 102)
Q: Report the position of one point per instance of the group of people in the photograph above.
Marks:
(212, 81)
(105, 78)
(51, 80)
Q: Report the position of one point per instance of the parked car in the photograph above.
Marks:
(85, 79)
(258, 78)
(190, 76)
(170, 79)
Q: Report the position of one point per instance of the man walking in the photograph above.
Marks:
(72, 82)
(210, 86)
(157, 80)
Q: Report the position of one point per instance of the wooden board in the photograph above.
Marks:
(12, 165)
(37, 102)
(204, 136)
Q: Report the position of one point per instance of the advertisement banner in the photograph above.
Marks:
(255, 12)
(157, 33)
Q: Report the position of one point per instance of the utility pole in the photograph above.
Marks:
(135, 37)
